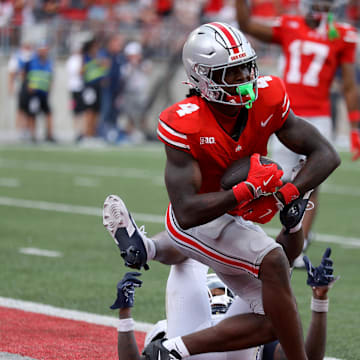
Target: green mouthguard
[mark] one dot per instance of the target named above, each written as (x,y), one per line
(247,89)
(332,33)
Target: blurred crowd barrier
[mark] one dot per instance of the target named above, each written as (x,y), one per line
(158,26)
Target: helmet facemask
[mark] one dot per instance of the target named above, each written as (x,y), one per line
(220,296)
(215,87)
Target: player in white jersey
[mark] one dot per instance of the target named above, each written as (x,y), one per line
(319,279)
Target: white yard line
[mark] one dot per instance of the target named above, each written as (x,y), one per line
(9,182)
(326,238)
(132,173)
(104,171)
(72,209)
(68,314)
(333,189)
(86,182)
(141,217)
(153,149)
(40,252)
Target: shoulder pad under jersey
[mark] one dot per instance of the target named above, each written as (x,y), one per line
(271,90)
(185,116)
(349,33)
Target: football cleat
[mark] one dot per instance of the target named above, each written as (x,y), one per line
(123,229)
(156,351)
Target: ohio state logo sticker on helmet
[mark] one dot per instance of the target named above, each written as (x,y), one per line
(237,57)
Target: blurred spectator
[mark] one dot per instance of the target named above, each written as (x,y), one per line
(163,7)
(75,87)
(45,10)
(74,10)
(354,12)
(38,75)
(94,68)
(16,85)
(98,11)
(6,12)
(134,98)
(112,85)
(211,10)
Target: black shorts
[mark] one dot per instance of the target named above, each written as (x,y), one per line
(36,103)
(91,96)
(22,99)
(77,103)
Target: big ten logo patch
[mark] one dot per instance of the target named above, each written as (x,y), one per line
(207,140)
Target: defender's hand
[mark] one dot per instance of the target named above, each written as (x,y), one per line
(321,276)
(126,290)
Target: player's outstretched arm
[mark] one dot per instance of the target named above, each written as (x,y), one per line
(351,95)
(127,348)
(303,138)
(320,280)
(249,26)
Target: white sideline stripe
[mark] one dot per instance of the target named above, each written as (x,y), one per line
(68,314)
(8,356)
(73,209)
(40,252)
(75,315)
(140,217)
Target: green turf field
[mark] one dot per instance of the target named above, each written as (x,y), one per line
(51,198)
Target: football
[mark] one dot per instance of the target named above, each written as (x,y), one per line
(238,171)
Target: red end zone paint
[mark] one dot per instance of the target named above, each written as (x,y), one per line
(53,338)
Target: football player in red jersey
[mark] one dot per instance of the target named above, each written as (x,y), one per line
(232,116)
(314,47)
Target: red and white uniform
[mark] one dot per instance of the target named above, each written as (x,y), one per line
(311,60)
(226,244)
(191,126)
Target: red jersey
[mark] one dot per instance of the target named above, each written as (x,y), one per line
(311,60)
(191,126)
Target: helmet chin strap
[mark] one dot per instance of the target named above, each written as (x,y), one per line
(247,90)
(333,32)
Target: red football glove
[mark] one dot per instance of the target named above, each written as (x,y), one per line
(355,144)
(263,179)
(261,210)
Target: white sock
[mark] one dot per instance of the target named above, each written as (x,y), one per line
(178,345)
(150,247)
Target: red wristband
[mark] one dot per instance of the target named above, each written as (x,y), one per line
(289,192)
(242,192)
(354,116)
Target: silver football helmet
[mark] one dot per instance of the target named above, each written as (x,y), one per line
(219,303)
(210,53)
